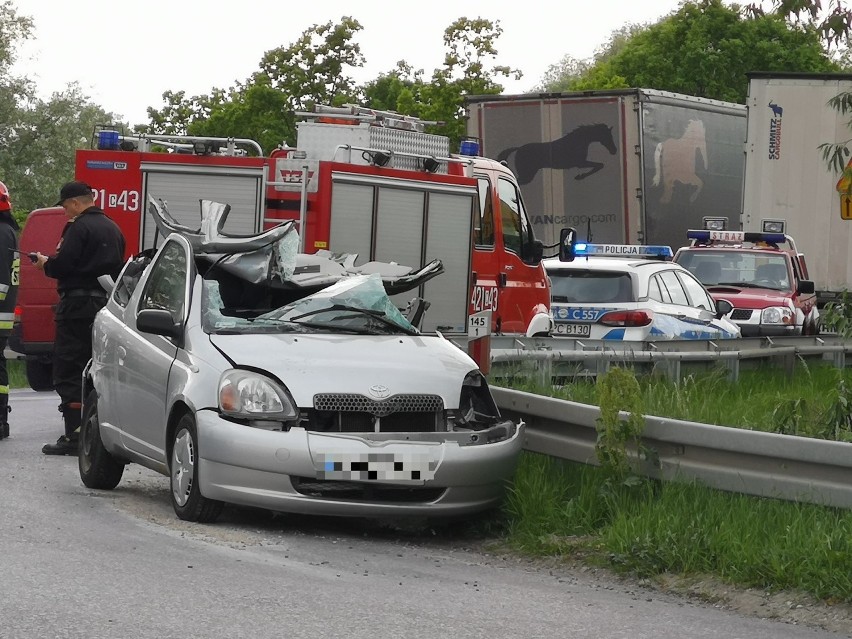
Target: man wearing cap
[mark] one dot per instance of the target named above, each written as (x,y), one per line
(9,264)
(91,245)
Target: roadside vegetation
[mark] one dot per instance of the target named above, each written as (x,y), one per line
(17,373)
(653,529)
(815,401)
(610,516)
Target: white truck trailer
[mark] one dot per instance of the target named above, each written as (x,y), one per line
(787,178)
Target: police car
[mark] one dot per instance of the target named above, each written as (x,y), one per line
(631,293)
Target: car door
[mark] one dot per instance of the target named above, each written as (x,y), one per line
(486,263)
(679,285)
(145,359)
(520,280)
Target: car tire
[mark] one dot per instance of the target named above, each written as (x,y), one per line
(98,468)
(39,374)
(188,502)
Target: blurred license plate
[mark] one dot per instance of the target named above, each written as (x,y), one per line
(375,467)
(575,330)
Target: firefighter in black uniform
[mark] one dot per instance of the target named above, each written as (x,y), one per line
(91,245)
(9,264)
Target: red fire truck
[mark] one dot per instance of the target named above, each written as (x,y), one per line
(358,181)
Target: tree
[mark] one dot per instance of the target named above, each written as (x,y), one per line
(470,48)
(41,150)
(312,70)
(16,90)
(37,137)
(705,49)
(833,27)
(569,71)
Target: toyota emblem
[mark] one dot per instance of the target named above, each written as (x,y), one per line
(379,392)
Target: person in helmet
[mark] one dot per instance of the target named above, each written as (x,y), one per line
(9,265)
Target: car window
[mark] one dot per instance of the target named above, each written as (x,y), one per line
(669,280)
(698,296)
(484,229)
(590,287)
(130,276)
(663,292)
(515,225)
(166,285)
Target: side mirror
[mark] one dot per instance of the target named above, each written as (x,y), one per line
(806,287)
(159,322)
(567,237)
(723,307)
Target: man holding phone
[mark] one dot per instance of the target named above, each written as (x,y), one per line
(9,269)
(91,245)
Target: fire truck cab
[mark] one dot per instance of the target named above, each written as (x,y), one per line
(358,182)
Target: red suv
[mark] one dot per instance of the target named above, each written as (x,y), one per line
(762,275)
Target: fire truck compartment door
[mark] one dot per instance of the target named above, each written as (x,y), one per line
(412,223)
(182,188)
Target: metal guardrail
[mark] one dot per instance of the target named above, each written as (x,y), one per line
(554,356)
(731,459)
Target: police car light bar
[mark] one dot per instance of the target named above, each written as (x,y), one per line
(735,237)
(622,250)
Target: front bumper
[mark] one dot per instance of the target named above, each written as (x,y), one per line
(769,330)
(290,471)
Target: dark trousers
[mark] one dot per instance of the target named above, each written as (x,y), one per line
(4,381)
(72,349)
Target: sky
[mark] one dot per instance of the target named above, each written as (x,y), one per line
(126,53)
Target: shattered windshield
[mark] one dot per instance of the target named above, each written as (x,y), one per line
(357,304)
(262,283)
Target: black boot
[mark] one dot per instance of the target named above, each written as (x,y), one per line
(64,446)
(5,409)
(68,443)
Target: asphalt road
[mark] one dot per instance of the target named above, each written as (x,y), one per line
(81,563)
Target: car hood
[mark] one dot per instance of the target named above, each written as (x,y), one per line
(750,297)
(389,365)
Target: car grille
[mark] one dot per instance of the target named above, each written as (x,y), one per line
(361,491)
(741,314)
(352,413)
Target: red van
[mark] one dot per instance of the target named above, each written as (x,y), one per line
(33,331)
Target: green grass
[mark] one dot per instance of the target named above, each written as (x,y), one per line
(560,508)
(17,373)
(646,527)
(816,401)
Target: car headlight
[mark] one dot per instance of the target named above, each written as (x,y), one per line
(776,315)
(249,395)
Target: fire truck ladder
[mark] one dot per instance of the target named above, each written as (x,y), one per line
(355,113)
(195,144)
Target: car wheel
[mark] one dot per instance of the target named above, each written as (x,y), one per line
(98,468)
(39,374)
(187,500)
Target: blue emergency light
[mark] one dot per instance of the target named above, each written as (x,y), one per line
(469,147)
(623,250)
(108,140)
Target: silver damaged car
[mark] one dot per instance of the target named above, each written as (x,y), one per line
(254,375)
